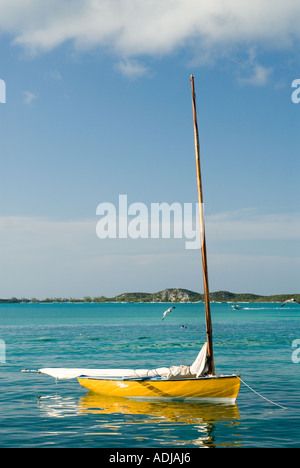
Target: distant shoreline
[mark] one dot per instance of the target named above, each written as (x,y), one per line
(177,295)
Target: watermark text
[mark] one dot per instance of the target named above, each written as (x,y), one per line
(2,352)
(296,93)
(159,221)
(2,92)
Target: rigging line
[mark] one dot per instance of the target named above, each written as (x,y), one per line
(273,403)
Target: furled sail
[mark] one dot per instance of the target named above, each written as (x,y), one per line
(197,369)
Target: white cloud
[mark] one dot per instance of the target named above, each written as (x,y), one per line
(131,68)
(248,225)
(134,27)
(258,274)
(28,97)
(252,72)
(258,77)
(53,75)
(45,257)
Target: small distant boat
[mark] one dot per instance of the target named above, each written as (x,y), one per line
(236,307)
(197,381)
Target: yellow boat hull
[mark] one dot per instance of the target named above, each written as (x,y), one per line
(213,388)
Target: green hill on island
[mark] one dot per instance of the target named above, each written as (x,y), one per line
(167,295)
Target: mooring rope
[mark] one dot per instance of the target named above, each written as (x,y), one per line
(252,389)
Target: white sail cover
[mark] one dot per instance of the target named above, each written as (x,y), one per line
(195,370)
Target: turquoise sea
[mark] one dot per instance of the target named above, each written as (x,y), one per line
(256,342)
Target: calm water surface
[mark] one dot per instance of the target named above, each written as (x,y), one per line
(255,341)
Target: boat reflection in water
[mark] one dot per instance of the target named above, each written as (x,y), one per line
(181,418)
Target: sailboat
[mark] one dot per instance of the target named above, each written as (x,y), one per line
(198,381)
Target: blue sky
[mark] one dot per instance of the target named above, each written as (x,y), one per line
(98,104)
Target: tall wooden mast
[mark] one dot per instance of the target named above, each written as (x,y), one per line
(211,365)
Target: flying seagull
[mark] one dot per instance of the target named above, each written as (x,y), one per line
(290,300)
(168,311)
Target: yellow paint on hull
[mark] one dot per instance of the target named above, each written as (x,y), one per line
(206,388)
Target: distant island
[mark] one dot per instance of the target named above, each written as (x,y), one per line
(167,295)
